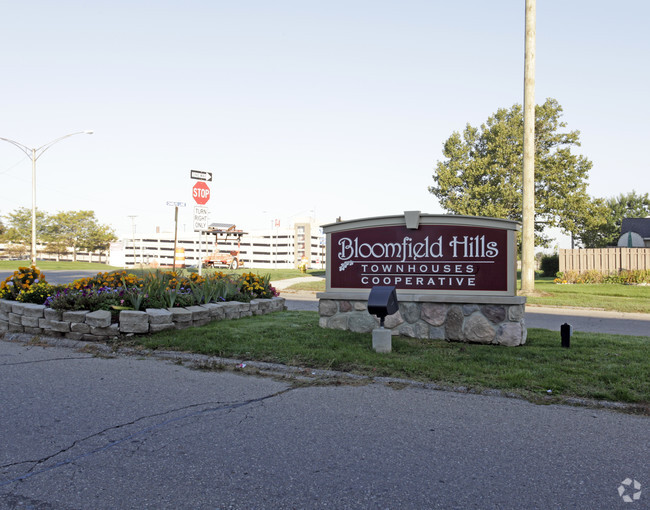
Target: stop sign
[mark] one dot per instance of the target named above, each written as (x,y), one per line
(201,193)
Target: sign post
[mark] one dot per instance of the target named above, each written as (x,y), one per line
(201,195)
(176,205)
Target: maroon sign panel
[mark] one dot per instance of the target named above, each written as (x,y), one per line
(433,257)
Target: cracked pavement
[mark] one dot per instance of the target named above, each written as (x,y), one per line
(86,432)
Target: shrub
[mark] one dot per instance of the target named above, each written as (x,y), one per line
(104,298)
(21,280)
(629,277)
(115,279)
(38,293)
(252,286)
(550,264)
(635,276)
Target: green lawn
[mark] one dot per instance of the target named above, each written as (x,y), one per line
(603,367)
(46,265)
(605,296)
(621,298)
(279,274)
(275,274)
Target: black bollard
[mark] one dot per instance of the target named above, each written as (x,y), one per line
(565,332)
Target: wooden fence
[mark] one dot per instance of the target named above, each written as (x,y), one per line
(605,260)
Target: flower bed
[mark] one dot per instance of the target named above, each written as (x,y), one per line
(110,304)
(121,290)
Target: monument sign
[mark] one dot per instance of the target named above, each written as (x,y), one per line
(448,266)
(443,254)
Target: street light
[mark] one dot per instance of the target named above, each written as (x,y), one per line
(34,154)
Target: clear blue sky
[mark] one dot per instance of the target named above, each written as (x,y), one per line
(300,107)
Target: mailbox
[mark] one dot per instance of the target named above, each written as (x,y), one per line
(382,302)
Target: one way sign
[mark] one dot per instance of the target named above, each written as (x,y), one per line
(200,175)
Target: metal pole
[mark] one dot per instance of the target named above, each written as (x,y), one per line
(33,207)
(175,236)
(34,154)
(528,213)
(200,251)
(133,237)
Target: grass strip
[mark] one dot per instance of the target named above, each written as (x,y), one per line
(597,366)
(603,296)
(50,265)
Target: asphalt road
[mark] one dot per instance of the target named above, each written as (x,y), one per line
(57,277)
(87,432)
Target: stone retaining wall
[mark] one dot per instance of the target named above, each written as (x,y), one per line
(34,319)
(491,322)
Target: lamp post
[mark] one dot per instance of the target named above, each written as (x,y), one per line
(34,154)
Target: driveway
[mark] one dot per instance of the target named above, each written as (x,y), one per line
(57,277)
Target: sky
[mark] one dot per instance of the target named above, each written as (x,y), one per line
(299,108)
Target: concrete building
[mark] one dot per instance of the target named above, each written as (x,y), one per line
(272,248)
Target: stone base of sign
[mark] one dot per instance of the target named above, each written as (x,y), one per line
(478,319)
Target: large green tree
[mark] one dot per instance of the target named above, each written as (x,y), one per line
(19,226)
(79,230)
(614,210)
(99,238)
(482,172)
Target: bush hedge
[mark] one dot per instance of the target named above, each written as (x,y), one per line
(550,265)
(626,277)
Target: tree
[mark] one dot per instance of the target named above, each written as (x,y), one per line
(56,248)
(482,172)
(19,226)
(16,251)
(99,238)
(74,229)
(79,230)
(614,210)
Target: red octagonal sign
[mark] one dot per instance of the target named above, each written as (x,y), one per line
(201,193)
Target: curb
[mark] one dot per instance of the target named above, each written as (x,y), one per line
(305,374)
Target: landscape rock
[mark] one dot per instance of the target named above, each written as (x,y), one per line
(478,329)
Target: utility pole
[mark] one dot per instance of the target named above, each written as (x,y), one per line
(133,217)
(528,213)
(175,236)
